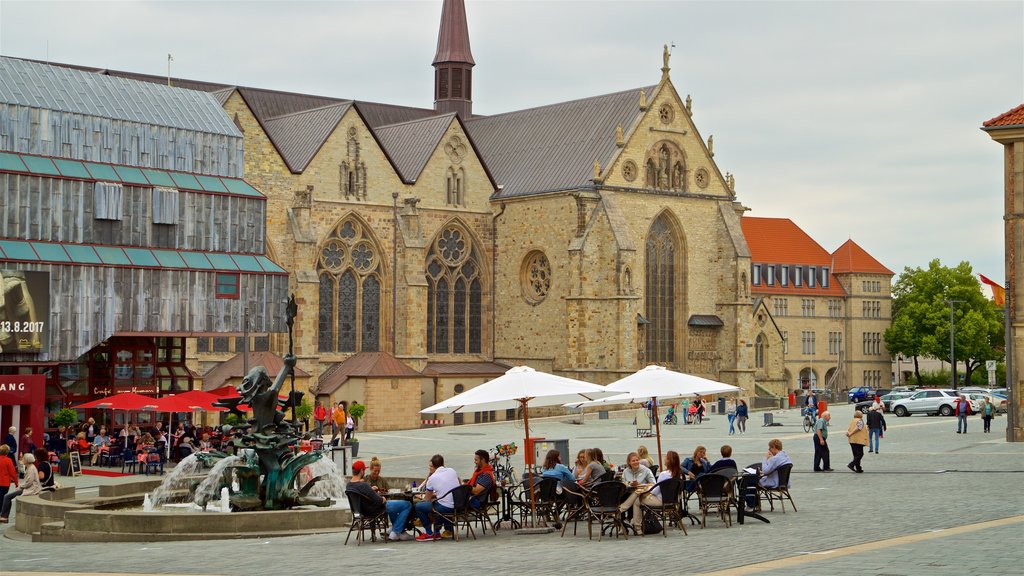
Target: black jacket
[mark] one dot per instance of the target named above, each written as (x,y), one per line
(876,420)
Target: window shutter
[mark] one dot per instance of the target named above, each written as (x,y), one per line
(165,205)
(109,201)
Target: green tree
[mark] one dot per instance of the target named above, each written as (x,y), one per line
(920,324)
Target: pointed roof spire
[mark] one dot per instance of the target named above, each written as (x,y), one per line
(453,39)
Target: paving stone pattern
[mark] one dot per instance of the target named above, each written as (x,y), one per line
(926,478)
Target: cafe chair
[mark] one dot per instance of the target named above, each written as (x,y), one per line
(670,510)
(782,491)
(575,508)
(714,492)
(461,510)
(129,460)
(603,503)
(361,521)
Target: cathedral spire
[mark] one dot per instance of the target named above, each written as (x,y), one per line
(453,62)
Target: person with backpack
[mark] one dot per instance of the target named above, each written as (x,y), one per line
(876,425)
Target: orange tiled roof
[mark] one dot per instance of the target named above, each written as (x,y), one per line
(233,368)
(781,241)
(1013,117)
(364,365)
(850,257)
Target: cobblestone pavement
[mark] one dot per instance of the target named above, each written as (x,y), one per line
(932,502)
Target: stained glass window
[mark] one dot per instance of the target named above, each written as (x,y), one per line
(660,302)
(455,294)
(371,314)
(350,315)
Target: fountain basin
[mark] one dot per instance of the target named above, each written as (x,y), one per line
(59,517)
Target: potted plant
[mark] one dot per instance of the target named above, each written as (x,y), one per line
(356,410)
(65,417)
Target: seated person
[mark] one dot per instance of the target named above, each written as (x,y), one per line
(592,471)
(725,463)
(695,466)
(185,447)
(45,469)
(553,468)
(768,475)
(82,445)
(635,474)
(811,405)
(599,456)
(484,488)
(204,443)
(581,464)
(398,510)
(100,444)
(645,457)
(437,487)
(374,479)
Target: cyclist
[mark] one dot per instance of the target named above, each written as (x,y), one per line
(811,405)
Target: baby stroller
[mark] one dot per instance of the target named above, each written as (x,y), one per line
(670,416)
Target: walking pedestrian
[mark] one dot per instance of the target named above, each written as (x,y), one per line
(987,411)
(320,416)
(876,425)
(731,414)
(857,433)
(962,409)
(741,416)
(820,438)
(338,423)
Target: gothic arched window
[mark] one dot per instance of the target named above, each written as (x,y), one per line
(759,351)
(350,290)
(661,256)
(454,294)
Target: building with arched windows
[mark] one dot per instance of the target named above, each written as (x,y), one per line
(432,248)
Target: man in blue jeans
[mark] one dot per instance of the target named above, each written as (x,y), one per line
(440,482)
(963,410)
(398,510)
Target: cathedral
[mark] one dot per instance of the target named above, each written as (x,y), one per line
(429,249)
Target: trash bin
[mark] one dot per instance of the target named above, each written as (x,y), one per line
(602,414)
(531,450)
(721,404)
(541,448)
(792,399)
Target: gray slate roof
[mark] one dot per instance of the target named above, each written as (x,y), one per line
(37,85)
(410,144)
(553,147)
(299,135)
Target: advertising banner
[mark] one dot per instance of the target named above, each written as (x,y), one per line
(24,311)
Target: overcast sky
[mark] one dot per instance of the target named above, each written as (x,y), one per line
(854,119)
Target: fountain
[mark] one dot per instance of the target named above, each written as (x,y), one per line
(268,486)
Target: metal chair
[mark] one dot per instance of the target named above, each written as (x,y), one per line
(461,510)
(362,521)
(114,453)
(781,491)
(574,499)
(714,493)
(603,503)
(670,509)
(129,459)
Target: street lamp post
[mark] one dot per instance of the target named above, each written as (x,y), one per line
(952,340)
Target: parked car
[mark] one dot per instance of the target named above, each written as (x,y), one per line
(974,390)
(887,400)
(904,389)
(1000,391)
(928,401)
(860,393)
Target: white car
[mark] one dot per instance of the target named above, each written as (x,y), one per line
(928,401)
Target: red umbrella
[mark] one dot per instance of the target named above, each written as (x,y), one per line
(183,403)
(122,401)
(224,392)
(197,399)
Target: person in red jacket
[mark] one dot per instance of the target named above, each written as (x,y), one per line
(320,416)
(8,473)
(962,409)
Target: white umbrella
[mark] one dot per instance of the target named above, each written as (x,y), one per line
(521,387)
(659,383)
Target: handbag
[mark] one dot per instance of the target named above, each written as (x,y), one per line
(649,524)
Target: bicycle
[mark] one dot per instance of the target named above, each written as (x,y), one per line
(809,420)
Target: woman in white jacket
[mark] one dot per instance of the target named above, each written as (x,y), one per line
(30,486)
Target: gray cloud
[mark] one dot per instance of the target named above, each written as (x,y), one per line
(855,119)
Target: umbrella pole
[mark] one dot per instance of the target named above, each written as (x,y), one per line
(529,473)
(657,427)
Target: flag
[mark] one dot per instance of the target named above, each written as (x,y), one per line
(998,292)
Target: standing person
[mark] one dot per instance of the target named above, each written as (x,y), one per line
(11,440)
(440,482)
(876,425)
(962,409)
(741,416)
(350,425)
(338,423)
(986,415)
(857,433)
(27,444)
(320,416)
(8,472)
(30,486)
(730,412)
(820,438)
